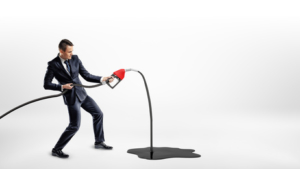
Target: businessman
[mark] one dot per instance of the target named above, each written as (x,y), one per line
(65,68)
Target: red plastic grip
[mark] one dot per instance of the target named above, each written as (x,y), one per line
(120,73)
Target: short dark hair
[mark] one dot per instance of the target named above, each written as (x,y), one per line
(63,44)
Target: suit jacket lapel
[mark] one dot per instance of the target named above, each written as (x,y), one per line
(58,61)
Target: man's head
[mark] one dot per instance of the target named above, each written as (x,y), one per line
(66,49)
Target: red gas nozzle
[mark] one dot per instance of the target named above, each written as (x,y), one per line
(120,73)
(119,76)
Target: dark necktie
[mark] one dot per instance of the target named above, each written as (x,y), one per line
(68,66)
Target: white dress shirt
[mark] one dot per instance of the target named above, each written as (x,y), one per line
(65,66)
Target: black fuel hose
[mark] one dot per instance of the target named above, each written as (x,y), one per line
(51,96)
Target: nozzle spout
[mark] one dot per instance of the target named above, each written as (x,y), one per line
(127,70)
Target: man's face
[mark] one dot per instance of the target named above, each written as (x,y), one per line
(68,53)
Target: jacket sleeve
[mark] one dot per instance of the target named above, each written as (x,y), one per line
(48,85)
(86,75)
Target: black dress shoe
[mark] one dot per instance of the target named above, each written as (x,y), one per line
(102,145)
(59,153)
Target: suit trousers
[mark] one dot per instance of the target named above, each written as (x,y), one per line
(89,105)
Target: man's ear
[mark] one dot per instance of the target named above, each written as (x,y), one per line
(61,51)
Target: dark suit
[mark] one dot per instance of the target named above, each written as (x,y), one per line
(75,98)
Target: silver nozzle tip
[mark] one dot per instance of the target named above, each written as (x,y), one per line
(126,70)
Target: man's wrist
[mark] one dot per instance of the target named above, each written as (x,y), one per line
(102,82)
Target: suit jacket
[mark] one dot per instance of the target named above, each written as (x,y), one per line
(56,70)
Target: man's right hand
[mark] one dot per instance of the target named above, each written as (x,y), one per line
(67,86)
(111,79)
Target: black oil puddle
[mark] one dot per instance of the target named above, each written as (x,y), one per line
(163,153)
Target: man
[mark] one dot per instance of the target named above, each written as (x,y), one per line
(65,68)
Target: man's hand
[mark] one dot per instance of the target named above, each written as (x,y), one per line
(68,86)
(110,80)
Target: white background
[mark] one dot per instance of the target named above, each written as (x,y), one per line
(223,79)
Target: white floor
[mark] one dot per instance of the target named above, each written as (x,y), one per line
(224,140)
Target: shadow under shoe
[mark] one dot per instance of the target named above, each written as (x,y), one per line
(59,153)
(103,146)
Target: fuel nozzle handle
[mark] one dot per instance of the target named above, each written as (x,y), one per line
(119,76)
